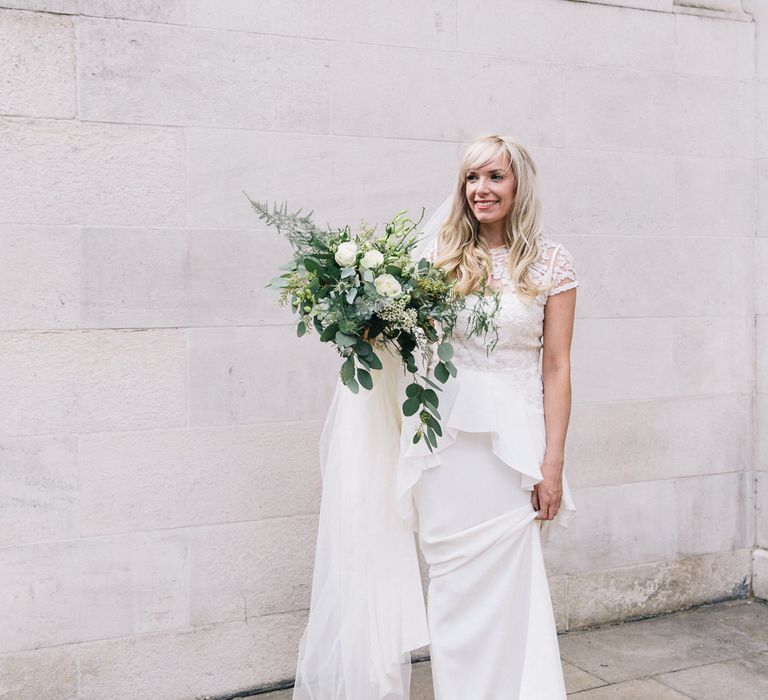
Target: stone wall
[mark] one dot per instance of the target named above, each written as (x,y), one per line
(159,483)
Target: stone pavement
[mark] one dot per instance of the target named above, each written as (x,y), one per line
(714,652)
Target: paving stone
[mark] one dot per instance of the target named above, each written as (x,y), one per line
(647,689)
(671,643)
(576,679)
(746,679)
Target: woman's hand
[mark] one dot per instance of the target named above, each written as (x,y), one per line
(548,493)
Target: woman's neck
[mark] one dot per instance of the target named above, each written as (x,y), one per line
(493,234)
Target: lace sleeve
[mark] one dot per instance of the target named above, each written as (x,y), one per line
(563,272)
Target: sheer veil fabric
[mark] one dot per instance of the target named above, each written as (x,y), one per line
(367,609)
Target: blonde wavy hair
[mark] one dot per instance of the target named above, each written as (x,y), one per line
(461,250)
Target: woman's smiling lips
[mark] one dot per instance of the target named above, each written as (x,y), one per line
(486,203)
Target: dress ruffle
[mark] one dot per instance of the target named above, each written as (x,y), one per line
(500,403)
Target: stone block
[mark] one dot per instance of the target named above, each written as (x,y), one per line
(204,476)
(641,689)
(139,278)
(745,678)
(340,179)
(206,77)
(714,198)
(529,102)
(627,441)
(37,55)
(257,375)
(169,11)
(311,18)
(241,571)
(209,660)
(761,351)
(681,114)
(762,197)
(42,673)
(616,271)
(761,89)
(761,277)
(605,192)
(567,33)
(709,46)
(558,590)
(761,508)
(761,422)
(616,526)
(640,590)
(40,279)
(714,513)
(85,381)
(760,573)
(100,173)
(71,591)
(38,489)
(644,358)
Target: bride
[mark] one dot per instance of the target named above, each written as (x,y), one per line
(482,502)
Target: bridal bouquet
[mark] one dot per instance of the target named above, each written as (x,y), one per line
(363,292)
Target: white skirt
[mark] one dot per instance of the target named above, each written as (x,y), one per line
(489,610)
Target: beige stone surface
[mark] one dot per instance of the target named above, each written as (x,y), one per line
(171,11)
(37,55)
(654,646)
(208,78)
(340,179)
(598,597)
(202,476)
(67,592)
(647,358)
(38,499)
(135,277)
(67,172)
(42,673)
(617,442)
(745,678)
(197,662)
(88,381)
(40,281)
(532,103)
(244,375)
(243,571)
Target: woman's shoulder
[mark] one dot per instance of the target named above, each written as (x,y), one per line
(555,259)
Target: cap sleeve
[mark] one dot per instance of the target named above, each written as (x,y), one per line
(563,272)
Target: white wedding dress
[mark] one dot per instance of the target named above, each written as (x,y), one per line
(488,619)
(490,616)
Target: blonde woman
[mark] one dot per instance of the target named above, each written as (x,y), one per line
(479,504)
(496,484)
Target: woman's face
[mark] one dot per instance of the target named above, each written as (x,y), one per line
(490,190)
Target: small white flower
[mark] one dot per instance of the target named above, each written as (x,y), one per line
(346,253)
(373,258)
(387,285)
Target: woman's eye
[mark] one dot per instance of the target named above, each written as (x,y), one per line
(471,177)
(497,177)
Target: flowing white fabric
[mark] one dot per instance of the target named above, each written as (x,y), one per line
(490,615)
(367,607)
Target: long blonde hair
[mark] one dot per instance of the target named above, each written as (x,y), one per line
(462,251)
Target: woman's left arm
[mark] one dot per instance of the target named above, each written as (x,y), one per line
(556,374)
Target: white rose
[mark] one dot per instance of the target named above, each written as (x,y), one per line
(373,258)
(346,253)
(387,285)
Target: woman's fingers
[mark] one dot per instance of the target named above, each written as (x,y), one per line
(546,503)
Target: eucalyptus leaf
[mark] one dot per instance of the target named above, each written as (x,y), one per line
(301,328)
(445,352)
(365,379)
(413,390)
(345,341)
(348,369)
(329,333)
(441,372)
(410,406)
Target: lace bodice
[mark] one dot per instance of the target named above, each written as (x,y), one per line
(520,319)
